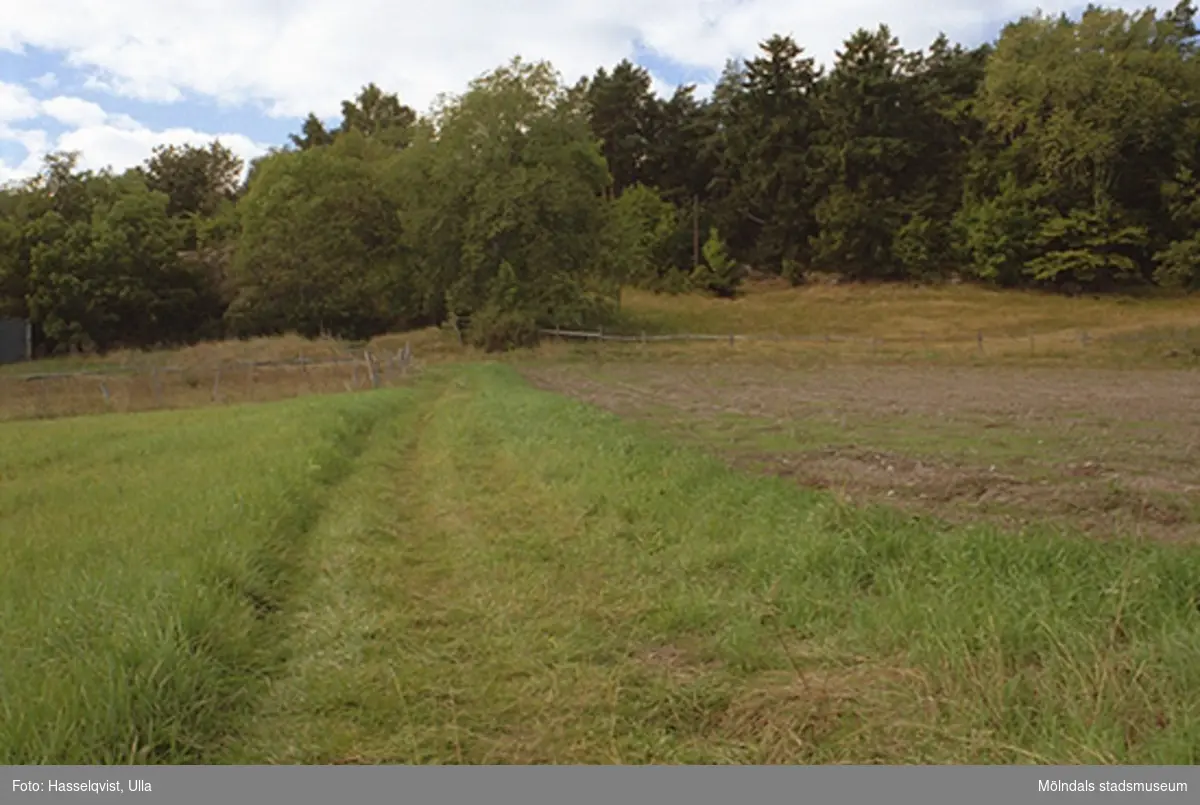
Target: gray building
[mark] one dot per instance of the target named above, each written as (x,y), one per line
(15,345)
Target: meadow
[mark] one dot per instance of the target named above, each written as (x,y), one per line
(619,554)
(146,563)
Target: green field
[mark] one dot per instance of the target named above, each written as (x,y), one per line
(473,571)
(147,563)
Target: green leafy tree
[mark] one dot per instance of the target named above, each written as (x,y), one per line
(779,114)
(195,180)
(719,274)
(313,134)
(645,226)
(512,177)
(997,231)
(621,107)
(944,82)
(374,113)
(1178,264)
(870,153)
(678,163)
(103,267)
(320,246)
(1095,111)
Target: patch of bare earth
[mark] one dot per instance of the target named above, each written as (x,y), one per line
(1105,451)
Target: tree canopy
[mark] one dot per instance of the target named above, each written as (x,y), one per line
(1063,156)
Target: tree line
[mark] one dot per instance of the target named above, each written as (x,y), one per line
(1063,156)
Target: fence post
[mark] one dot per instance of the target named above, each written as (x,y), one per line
(104,393)
(731,339)
(216,389)
(372,375)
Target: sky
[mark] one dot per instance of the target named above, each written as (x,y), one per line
(113,78)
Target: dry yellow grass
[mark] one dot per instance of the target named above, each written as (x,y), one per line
(1148,349)
(429,341)
(227,372)
(946,313)
(890,323)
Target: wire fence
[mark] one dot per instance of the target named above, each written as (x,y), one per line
(123,387)
(1180,336)
(978,339)
(126,388)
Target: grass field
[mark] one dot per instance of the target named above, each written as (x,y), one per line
(1107,452)
(147,559)
(946,313)
(952,324)
(885,321)
(472,570)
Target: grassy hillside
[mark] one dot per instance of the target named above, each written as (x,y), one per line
(864,321)
(939,313)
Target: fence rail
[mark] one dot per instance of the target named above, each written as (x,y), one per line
(120,370)
(978,337)
(150,386)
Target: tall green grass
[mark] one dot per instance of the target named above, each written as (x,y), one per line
(520,578)
(474,571)
(144,564)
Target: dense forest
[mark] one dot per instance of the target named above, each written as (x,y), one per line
(1064,156)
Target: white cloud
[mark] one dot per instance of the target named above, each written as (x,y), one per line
(141,87)
(660,86)
(16,103)
(103,140)
(74,111)
(294,57)
(34,141)
(46,81)
(120,146)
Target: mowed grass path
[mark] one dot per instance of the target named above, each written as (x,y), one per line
(503,575)
(512,577)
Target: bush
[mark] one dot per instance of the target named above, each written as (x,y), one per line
(494,329)
(718,274)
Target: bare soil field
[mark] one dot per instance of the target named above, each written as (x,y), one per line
(1106,452)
